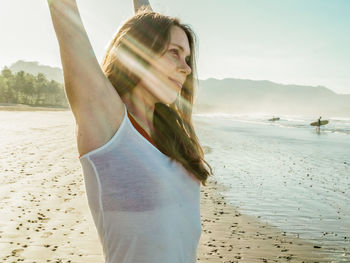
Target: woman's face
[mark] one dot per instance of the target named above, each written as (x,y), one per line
(168,72)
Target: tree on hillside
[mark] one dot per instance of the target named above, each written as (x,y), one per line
(41,84)
(25,88)
(6,93)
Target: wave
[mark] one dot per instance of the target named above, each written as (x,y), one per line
(335,125)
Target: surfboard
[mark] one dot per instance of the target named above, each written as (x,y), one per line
(274,119)
(316,123)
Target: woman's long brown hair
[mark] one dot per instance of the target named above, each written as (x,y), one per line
(145,35)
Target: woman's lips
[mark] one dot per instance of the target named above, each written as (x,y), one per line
(176,82)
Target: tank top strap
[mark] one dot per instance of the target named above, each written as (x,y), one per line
(141,130)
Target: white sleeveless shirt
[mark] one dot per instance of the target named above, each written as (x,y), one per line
(146,208)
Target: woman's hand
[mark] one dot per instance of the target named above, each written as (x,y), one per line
(50,2)
(141,3)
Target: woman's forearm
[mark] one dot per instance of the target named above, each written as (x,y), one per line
(140,3)
(68,26)
(79,63)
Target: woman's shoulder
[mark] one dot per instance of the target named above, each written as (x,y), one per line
(97,127)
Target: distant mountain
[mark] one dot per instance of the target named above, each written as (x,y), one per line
(33,67)
(242,96)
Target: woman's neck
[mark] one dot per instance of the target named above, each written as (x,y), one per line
(140,105)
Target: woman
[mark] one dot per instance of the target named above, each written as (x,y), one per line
(141,159)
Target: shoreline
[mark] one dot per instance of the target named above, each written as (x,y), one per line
(229,236)
(23,107)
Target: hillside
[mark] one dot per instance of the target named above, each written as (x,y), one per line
(34,68)
(240,96)
(250,96)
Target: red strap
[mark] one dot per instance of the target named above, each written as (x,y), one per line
(140,130)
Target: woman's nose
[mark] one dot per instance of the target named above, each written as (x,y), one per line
(185,68)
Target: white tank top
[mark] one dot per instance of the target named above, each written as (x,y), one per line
(145,206)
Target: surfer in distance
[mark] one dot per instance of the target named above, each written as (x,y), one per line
(318,127)
(319,123)
(274,118)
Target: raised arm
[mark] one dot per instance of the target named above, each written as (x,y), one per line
(85,83)
(142,3)
(97,107)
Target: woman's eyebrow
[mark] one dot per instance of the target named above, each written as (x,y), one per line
(180,47)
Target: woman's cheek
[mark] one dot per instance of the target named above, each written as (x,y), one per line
(168,66)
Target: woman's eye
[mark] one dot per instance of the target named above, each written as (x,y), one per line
(174,51)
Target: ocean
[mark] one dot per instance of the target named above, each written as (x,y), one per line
(285,173)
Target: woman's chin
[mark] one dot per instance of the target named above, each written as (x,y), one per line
(169,100)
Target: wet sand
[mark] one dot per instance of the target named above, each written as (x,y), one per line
(45,215)
(229,236)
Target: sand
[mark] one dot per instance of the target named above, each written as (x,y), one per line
(45,215)
(229,236)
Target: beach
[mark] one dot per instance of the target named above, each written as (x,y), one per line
(46,218)
(285,174)
(23,107)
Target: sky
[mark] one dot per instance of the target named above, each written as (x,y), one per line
(284,41)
